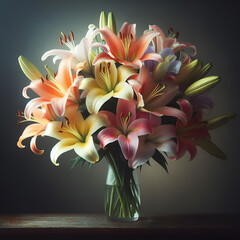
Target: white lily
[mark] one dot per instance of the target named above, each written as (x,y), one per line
(82,54)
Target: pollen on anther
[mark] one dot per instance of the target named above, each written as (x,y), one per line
(42,79)
(69,39)
(60,40)
(108,65)
(65,38)
(60,131)
(67,120)
(120,34)
(177,34)
(46,77)
(72,35)
(171,29)
(100,67)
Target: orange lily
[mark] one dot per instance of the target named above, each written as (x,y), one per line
(125,48)
(59,91)
(41,117)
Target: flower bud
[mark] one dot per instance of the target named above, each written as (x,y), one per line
(211,148)
(29,69)
(201,86)
(218,121)
(102,20)
(187,71)
(112,23)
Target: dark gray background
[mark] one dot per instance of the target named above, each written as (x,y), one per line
(32,184)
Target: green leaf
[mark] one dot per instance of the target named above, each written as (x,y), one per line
(217,122)
(29,69)
(211,148)
(76,161)
(101,153)
(160,159)
(201,86)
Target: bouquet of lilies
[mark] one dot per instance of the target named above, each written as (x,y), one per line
(117,96)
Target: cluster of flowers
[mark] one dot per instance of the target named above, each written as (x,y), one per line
(145,93)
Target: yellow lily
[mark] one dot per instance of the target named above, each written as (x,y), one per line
(109,82)
(75,133)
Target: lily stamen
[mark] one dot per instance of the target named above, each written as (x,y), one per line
(60,40)
(71,32)
(67,120)
(124,121)
(104,70)
(157,91)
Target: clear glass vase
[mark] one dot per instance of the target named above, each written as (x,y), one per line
(122,192)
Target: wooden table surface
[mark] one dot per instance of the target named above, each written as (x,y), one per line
(80,226)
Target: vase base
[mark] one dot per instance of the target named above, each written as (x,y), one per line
(113,219)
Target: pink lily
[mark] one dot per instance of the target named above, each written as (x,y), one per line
(59,91)
(125,128)
(160,139)
(189,133)
(161,42)
(125,48)
(41,116)
(153,96)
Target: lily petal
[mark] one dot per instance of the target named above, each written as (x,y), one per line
(170,111)
(170,147)
(124,91)
(64,76)
(163,133)
(141,126)
(108,135)
(87,150)
(128,29)
(46,89)
(139,47)
(102,57)
(152,56)
(57,52)
(29,131)
(94,122)
(124,72)
(61,147)
(144,153)
(32,105)
(128,145)
(96,98)
(34,147)
(125,107)
(110,116)
(186,107)
(56,130)
(113,42)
